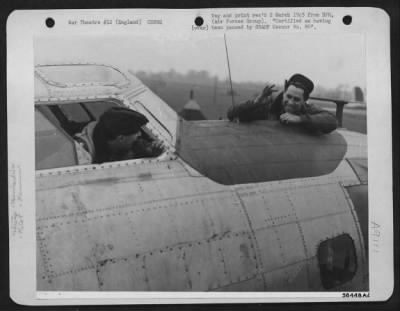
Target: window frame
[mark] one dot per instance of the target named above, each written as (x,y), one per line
(54,122)
(91,167)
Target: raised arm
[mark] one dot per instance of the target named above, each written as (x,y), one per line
(256,109)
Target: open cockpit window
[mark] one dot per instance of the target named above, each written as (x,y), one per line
(73,117)
(59,126)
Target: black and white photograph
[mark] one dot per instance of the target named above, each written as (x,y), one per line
(218,159)
(231,163)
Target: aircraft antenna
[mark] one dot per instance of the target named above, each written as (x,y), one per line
(229,69)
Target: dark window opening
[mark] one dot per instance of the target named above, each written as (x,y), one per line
(337,261)
(73,117)
(57,148)
(96,109)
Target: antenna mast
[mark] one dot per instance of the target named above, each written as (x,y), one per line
(229,69)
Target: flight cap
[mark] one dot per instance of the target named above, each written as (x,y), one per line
(122,121)
(302,82)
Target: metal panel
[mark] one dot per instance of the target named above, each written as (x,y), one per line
(293,277)
(231,153)
(318,200)
(66,245)
(280,246)
(206,267)
(316,230)
(360,167)
(166,270)
(356,144)
(85,280)
(109,225)
(270,209)
(122,274)
(315,283)
(292,218)
(252,285)
(221,261)
(239,257)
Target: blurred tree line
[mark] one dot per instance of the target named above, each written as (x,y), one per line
(214,96)
(202,78)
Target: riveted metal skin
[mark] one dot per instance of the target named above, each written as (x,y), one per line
(162,225)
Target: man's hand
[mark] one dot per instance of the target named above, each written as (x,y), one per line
(267,92)
(156,147)
(289,118)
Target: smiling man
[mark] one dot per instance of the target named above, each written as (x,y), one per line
(290,107)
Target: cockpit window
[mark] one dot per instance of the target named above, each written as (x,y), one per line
(75,113)
(96,109)
(337,261)
(54,148)
(59,129)
(73,117)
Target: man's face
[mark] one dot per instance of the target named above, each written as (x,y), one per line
(293,99)
(123,143)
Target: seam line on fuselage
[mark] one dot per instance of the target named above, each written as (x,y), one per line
(130,204)
(358,226)
(253,236)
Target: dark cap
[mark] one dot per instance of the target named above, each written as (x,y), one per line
(121,121)
(302,82)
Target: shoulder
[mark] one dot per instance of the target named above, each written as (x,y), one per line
(86,137)
(277,97)
(276,107)
(312,108)
(90,127)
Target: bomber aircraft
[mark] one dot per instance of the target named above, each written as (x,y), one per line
(226,207)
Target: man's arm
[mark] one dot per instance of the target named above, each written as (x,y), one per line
(247,111)
(318,119)
(256,109)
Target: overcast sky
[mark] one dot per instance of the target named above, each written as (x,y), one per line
(329,60)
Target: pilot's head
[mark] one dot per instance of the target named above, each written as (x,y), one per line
(116,131)
(297,91)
